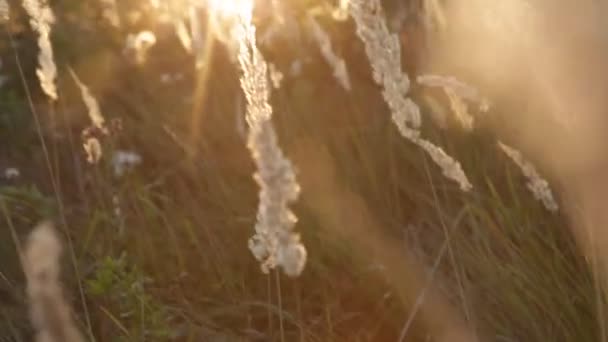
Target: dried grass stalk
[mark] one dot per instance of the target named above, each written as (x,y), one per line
(384,52)
(536,184)
(50,313)
(91,144)
(274,243)
(4,11)
(335,62)
(41,19)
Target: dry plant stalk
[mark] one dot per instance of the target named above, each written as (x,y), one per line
(457,92)
(460,109)
(335,62)
(181,30)
(197,38)
(91,145)
(4,11)
(536,184)
(384,52)
(91,103)
(274,243)
(41,19)
(49,311)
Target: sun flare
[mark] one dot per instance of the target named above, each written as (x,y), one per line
(228,9)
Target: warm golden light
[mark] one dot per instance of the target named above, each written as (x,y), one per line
(230,8)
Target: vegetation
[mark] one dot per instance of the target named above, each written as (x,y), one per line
(155,224)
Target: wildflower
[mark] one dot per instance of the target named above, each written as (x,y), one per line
(274,243)
(123,161)
(41,19)
(11,173)
(49,311)
(536,184)
(384,52)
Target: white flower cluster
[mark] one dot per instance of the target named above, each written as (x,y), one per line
(41,19)
(274,243)
(337,64)
(536,184)
(384,52)
(124,161)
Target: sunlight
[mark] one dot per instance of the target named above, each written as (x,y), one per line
(229,9)
(223,15)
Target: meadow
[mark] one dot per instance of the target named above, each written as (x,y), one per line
(403,170)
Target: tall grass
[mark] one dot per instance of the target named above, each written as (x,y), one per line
(50,313)
(41,19)
(274,243)
(383,50)
(394,251)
